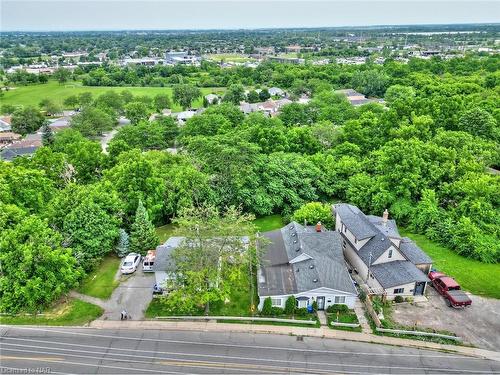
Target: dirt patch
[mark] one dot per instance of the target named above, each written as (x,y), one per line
(478,325)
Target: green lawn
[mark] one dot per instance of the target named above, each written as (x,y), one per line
(101,282)
(343,317)
(165,231)
(33,94)
(267,223)
(474,276)
(234,57)
(71,312)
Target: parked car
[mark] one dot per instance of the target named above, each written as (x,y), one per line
(130,263)
(149,261)
(450,290)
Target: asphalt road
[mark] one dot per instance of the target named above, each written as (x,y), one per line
(90,351)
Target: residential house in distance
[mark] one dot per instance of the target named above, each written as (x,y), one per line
(5,123)
(286,60)
(389,264)
(7,138)
(212,98)
(356,98)
(276,91)
(24,147)
(270,107)
(181,57)
(306,262)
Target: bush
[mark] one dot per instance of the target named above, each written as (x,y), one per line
(409,299)
(276,311)
(362,296)
(267,307)
(377,304)
(290,304)
(335,308)
(315,306)
(301,312)
(399,299)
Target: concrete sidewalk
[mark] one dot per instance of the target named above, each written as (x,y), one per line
(323,332)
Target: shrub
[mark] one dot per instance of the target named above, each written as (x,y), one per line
(335,308)
(377,304)
(399,299)
(362,296)
(409,299)
(267,307)
(301,312)
(315,306)
(290,305)
(276,311)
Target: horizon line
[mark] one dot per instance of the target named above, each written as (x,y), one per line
(255,28)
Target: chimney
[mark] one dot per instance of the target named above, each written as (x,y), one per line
(318,226)
(385,217)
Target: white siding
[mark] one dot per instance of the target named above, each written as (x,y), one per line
(355,261)
(160,277)
(384,258)
(408,291)
(329,295)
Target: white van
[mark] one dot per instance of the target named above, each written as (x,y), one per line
(149,261)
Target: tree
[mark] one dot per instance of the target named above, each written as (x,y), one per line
(267,307)
(47,135)
(84,99)
(161,102)
(290,305)
(50,107)
(143,235)
(27,120)
(72,101)
(123,244)
(35,269)
(211,256)
(92,121)
(234,94)
(264,94)
(253,97)
(136,112)
(314,212)
(370,82)
(185,94)
(481,123)
(62,75)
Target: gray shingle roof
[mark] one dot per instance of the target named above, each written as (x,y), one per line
(355,220)
(325,268)
(163,261)
(413,253)
(397,273)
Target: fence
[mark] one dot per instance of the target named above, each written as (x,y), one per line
(338,324)
(238,318)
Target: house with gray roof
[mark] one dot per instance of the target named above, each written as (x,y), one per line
(305,262)
(389,264)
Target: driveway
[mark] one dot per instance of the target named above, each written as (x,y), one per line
(478,324)
(133,294)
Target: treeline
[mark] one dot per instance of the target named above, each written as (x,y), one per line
(423,157)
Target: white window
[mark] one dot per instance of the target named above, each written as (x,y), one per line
(399,290)
(276,302)
(340,299)
(390,253)
(302,303)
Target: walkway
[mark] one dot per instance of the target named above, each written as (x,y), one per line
(360,314)
(322,318)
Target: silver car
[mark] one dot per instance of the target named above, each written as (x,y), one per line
(130,263)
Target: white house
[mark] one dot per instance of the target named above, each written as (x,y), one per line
(306,262)
(389,264)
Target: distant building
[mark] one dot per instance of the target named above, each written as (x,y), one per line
(5,123)
(356,98)
(212,98)
(181,57)
(286,60)
(25,147)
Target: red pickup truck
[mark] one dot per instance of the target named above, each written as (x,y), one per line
(449,289)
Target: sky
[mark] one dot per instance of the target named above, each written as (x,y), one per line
(59,15)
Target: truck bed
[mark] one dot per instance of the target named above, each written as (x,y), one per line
(459,297)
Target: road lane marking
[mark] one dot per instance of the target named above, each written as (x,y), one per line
(420,355)
(448,370)
(52,359)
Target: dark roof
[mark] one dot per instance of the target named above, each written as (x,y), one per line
(321,265)
(413,253)
(11,153)
(397,273)
(390,229)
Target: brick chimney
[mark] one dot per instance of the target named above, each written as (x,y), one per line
(318,226)
(385,216)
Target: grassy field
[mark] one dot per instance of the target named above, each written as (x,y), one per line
(235,57)
(165,231)
(267,223)
(343,317)
(33,94)
(71,312)
(101,282)
(474,276)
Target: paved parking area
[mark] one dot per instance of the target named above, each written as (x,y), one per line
(134,294)
(478,324)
